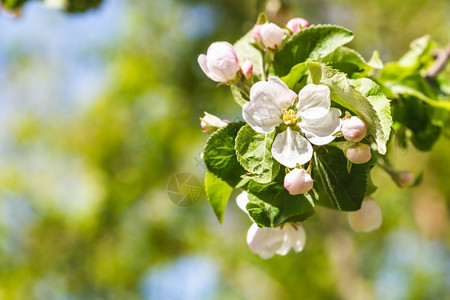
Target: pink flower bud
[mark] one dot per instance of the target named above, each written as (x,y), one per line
(271,35)
(368,218)
(405,179)
(297,24)
(211,122)
(247,69)
(298,181)
(256,33)
(359,153)
(353,129)
(220,63)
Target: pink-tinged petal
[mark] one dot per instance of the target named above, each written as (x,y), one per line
(313,101)
(281,92)
(320,131)
(368,218)
(290,148)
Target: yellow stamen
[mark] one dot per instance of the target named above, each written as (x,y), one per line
(289,116)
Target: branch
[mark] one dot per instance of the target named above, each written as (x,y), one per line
(442,58)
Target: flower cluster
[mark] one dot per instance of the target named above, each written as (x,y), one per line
(302,132)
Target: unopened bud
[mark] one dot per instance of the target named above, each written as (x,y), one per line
(297,24)
(270,35)
(353,129)
(247,69)
(298,181)
(211,122)
(404,179)
(256,33)
(359,153)
(220,63)
(368,218)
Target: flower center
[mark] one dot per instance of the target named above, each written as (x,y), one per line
(289,116)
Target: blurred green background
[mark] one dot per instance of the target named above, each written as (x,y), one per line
(99,110)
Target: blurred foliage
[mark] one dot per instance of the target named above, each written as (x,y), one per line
(84,212)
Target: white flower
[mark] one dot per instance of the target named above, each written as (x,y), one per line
(368,218)
(297,24)
(56,4)
(353,129)
(266,242)
(272,103)
(298,181)
(220,63)
(269,34)
(359,153)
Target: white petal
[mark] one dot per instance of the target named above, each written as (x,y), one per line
(242,200)
(267,100)
(264,241)
(290,148)
(282,92)
(320,131)
(296,237)
(313,101)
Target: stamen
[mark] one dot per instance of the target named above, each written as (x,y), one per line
(289,116)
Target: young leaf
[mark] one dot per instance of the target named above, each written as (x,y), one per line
(271,205)
(336,187)
(310,43)
(347,60)
(219,154)
(374,110)
(254,153)
(217,192)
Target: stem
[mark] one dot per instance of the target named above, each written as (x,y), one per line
(442,58)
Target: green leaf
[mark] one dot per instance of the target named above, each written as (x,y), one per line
(218,192)
(380,103)
(310,43)
(271,205)
(348,61)
(373,110)
(219,154)
(295,75)
(254,153)
(336,187)
(417,116)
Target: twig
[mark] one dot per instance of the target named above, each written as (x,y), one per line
(442,58)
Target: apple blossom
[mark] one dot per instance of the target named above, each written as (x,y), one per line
(266,242)
(298,181)
(359,153)
(271,104)
(368,218)
(220,62)
(353,129)
(297,24)
(247,69)
(269,34)
(210,122)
